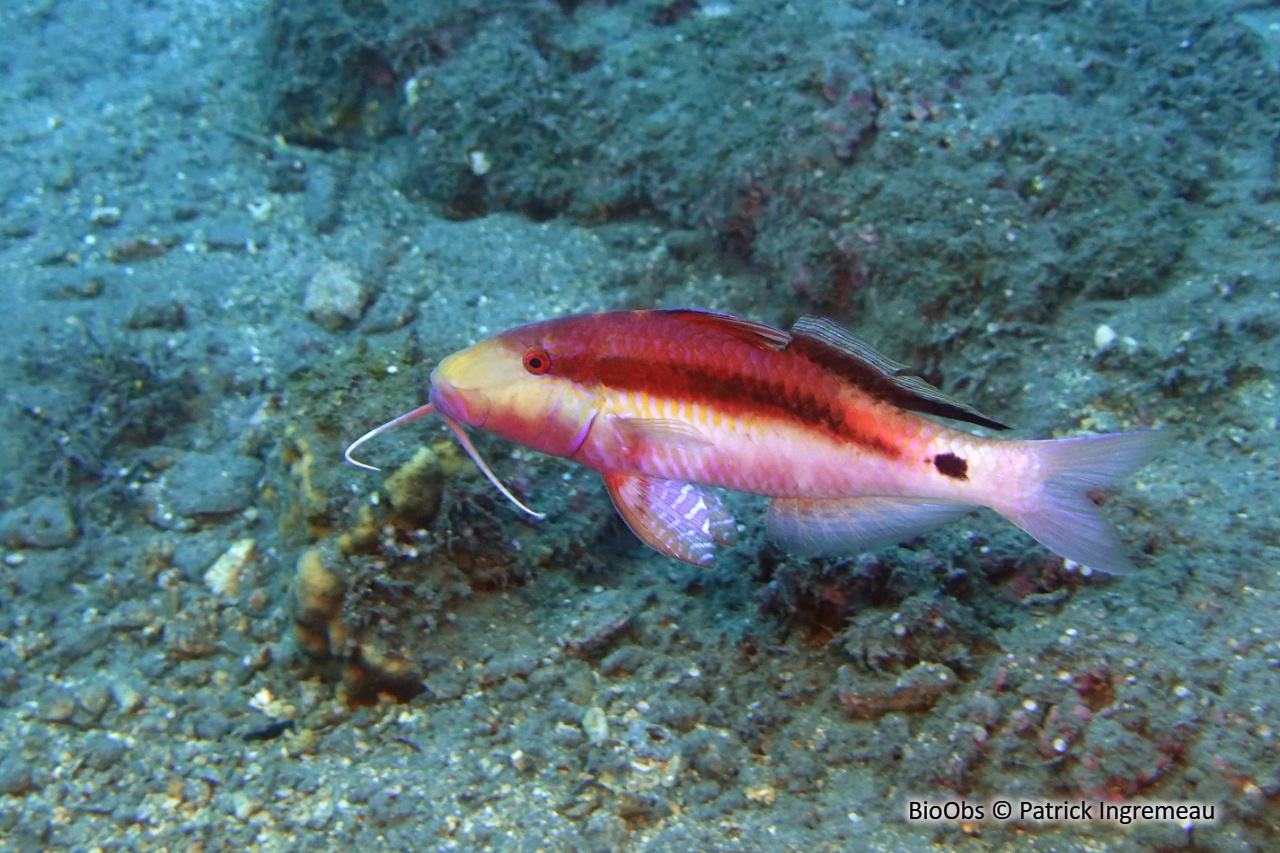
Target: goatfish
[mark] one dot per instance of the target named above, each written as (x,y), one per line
(845,442)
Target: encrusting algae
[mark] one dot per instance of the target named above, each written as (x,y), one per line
(365,670)
(415,489)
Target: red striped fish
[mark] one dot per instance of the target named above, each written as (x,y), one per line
(844,440)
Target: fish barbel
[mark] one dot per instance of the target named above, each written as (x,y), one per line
(843,440)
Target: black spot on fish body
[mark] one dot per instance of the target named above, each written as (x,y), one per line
(950,465)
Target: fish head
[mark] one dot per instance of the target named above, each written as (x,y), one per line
(507,385)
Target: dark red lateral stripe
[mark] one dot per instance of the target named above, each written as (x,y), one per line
(730,385)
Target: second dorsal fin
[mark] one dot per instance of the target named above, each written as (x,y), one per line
(747,331)
(829,346)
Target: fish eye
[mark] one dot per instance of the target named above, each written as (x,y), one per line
(537,362)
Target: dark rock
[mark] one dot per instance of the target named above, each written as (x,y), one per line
(648,740)
(83,641)
(101,751)
(925,627)
(15,776)
(579,682)
(154,666)
(229,235)
(93,699)
(210,726)
(188,639)
(641,808)
(714,753)
(702,791)
(45,522)
(795,769)
(56,705)
(322,202)
(505,668)
(212,484)
(287,175)
(169,315)
(604,831)
(511,691)
(131,616)
(608,618)
(444,685)
(871,697)
(568,737)
(195,554)
(388,314)
(624,660)
(678,713)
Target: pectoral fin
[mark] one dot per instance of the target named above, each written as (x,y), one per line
(853,525)
(681,520)
(639,434)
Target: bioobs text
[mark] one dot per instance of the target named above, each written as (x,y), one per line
(945,811)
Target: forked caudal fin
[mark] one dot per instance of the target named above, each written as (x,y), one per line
(458,433)
(1061,517)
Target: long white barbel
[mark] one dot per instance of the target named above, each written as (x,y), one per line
(458,433)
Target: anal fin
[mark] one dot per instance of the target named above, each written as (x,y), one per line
(681,520)
(842,526)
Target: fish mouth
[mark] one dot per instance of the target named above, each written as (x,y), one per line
(449,402)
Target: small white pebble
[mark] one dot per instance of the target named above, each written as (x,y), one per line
(478,162)
(1029,704)
(1103,337)
(259,209)
(224,576)
(105,215)
(595,724)
(1059,745)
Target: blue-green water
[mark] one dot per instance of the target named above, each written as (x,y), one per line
(236,236)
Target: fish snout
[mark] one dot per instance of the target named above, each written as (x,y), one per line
(470,409)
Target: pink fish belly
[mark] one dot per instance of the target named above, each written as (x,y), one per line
(787,460)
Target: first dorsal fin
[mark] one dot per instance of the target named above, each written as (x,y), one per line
(829,346)
(747,331)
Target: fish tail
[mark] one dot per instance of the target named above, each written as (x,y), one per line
(1061,516)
